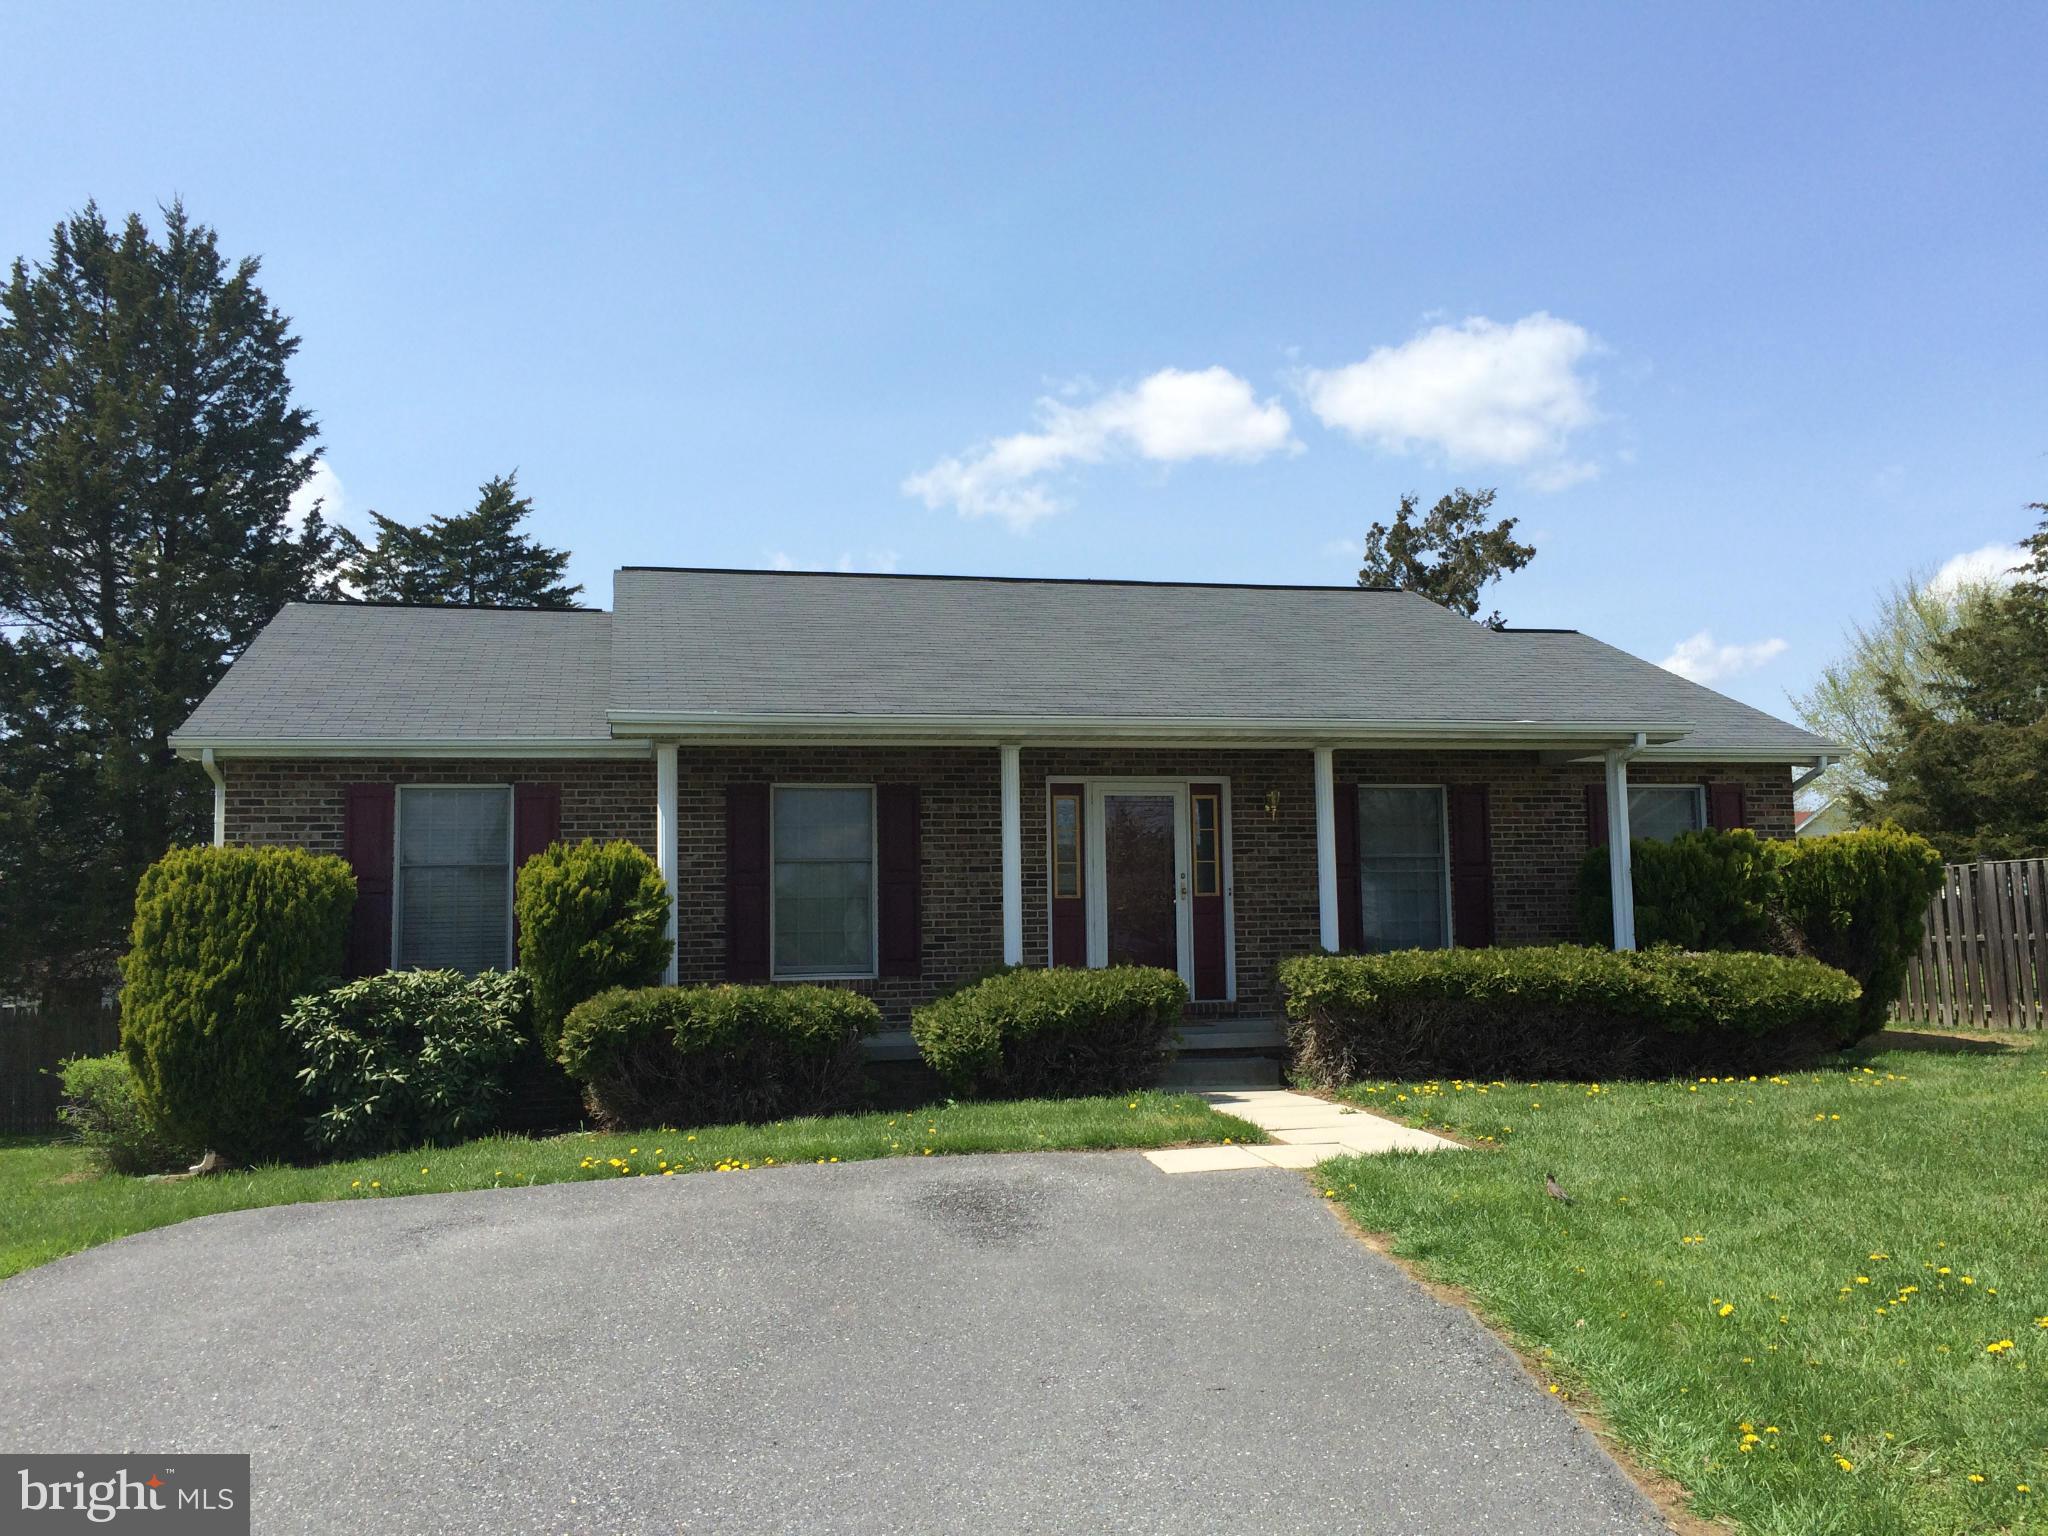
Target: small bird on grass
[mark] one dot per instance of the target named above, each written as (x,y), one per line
(1555,1190)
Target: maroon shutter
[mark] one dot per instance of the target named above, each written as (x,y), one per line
(1068,916)
(899,870)
(1471,866)
(536,823)
(1596,815)
(1350,914)
(1724,807)
(746,882)
(369,833)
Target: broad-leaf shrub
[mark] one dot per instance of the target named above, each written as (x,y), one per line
(1559,1011)
(1701,890)
(104,1108)
(224,939)
(1858,900)
(1039,1033)
(704,1055)
(407,1058)
(592,916)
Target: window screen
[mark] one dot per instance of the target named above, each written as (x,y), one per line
(1401,867)
(1660,812)
(824,882)
(454,892)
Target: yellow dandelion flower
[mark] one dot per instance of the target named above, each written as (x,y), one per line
(1727,1308)
(1976,1477)
(1845,1464)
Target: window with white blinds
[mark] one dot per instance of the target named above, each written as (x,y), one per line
(1403,869)
(824,890)
(1659,812)
(454,890)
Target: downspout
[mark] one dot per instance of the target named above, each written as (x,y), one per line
(1820,766)
(220,797)
(1620,871)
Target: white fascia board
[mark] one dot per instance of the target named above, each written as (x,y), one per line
(474,746)
(1064,729)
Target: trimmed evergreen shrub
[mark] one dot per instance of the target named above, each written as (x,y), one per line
(1701,890)
(103,1107)
(1559,1011)
(592,916)
(1858,900)
(1045,1033)
(224,939)
(705,1055)
(407,1058)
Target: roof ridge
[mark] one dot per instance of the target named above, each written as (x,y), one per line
(351,602)
(1061,581)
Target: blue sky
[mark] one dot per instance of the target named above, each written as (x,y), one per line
(1742,308)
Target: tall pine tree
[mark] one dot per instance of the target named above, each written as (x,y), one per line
(149,451)
(478,557)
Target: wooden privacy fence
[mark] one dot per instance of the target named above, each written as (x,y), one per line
(1983,961)
(31,1045)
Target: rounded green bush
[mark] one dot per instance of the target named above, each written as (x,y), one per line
(104,1108)
(591,916)
(1033,1033)
(705,1055)
(1559,1011)
(407,1058)
(1701,890)
(224,939)
(1858,900)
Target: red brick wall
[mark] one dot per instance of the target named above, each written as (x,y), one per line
(1539,832)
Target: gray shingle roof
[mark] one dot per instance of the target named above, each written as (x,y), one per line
(353,674)
(702,644)
(765,650)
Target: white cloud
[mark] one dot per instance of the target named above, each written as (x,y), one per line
(1994,565)
(324,487)
(1698,657)
(874,562)
(1168,418)
(1478,391)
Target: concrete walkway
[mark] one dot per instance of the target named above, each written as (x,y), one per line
(1305,1130)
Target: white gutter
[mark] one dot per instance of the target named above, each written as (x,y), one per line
(220,797)
(413,746)
(1279,731)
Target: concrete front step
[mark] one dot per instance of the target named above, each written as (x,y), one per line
(1202,1070)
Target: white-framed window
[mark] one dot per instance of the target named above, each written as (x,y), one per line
(822,904)
(451,906)
(1659,812)
(1404,867)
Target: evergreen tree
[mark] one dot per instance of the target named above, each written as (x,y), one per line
(478,557)
(1962,762)
(1450,557)
(149,450)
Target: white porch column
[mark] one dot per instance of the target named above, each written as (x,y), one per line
(1013,856)
(1326,846)
(1621,882)
(220,797)
(667,849)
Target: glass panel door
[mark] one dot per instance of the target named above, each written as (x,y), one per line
(1139,869)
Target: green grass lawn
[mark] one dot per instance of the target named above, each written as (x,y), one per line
(53,1203)
(1819,1301)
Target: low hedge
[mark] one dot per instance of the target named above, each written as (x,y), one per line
(705,1055)
(1048,1033)
(104,1108)
(407,1058)
(1560,1011)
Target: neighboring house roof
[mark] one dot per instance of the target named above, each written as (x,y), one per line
(358,675)
(714,652)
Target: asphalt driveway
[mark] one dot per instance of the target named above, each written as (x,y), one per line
(1059,1343)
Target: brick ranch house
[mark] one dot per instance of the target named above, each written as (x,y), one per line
(897,783)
